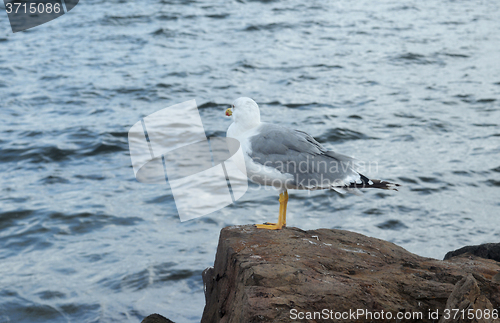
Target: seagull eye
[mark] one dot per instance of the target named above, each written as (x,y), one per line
(233,106)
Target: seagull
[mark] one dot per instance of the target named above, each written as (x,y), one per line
(291,159)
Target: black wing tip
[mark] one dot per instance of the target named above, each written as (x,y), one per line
(376,183)
(386,185)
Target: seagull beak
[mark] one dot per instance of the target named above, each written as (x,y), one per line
(229,112)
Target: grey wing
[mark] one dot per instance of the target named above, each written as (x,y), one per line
(299,154)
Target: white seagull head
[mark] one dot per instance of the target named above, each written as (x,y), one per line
(245,113)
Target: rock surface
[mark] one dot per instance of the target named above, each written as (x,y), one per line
(467,296)
(276,276)
(156,318)
(487,251)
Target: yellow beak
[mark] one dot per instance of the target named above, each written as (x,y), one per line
(229,112)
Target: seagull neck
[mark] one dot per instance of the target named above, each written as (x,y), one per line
(239,128)
(247,125)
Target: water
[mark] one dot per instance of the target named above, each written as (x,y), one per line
(412,87)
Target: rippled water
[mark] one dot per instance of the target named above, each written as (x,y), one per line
(411,87)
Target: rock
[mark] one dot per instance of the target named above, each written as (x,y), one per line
(156,318)
(278,276)
(487,251)
(467,296)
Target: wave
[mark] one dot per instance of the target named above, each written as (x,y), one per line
(125,20)
(86,143)
(269,27)
(342,134)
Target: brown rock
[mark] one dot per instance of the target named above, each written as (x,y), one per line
(276,276)
(468,304)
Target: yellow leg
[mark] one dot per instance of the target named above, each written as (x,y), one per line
(284,208)
(282,216)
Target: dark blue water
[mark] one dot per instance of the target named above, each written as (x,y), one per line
(412,88)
